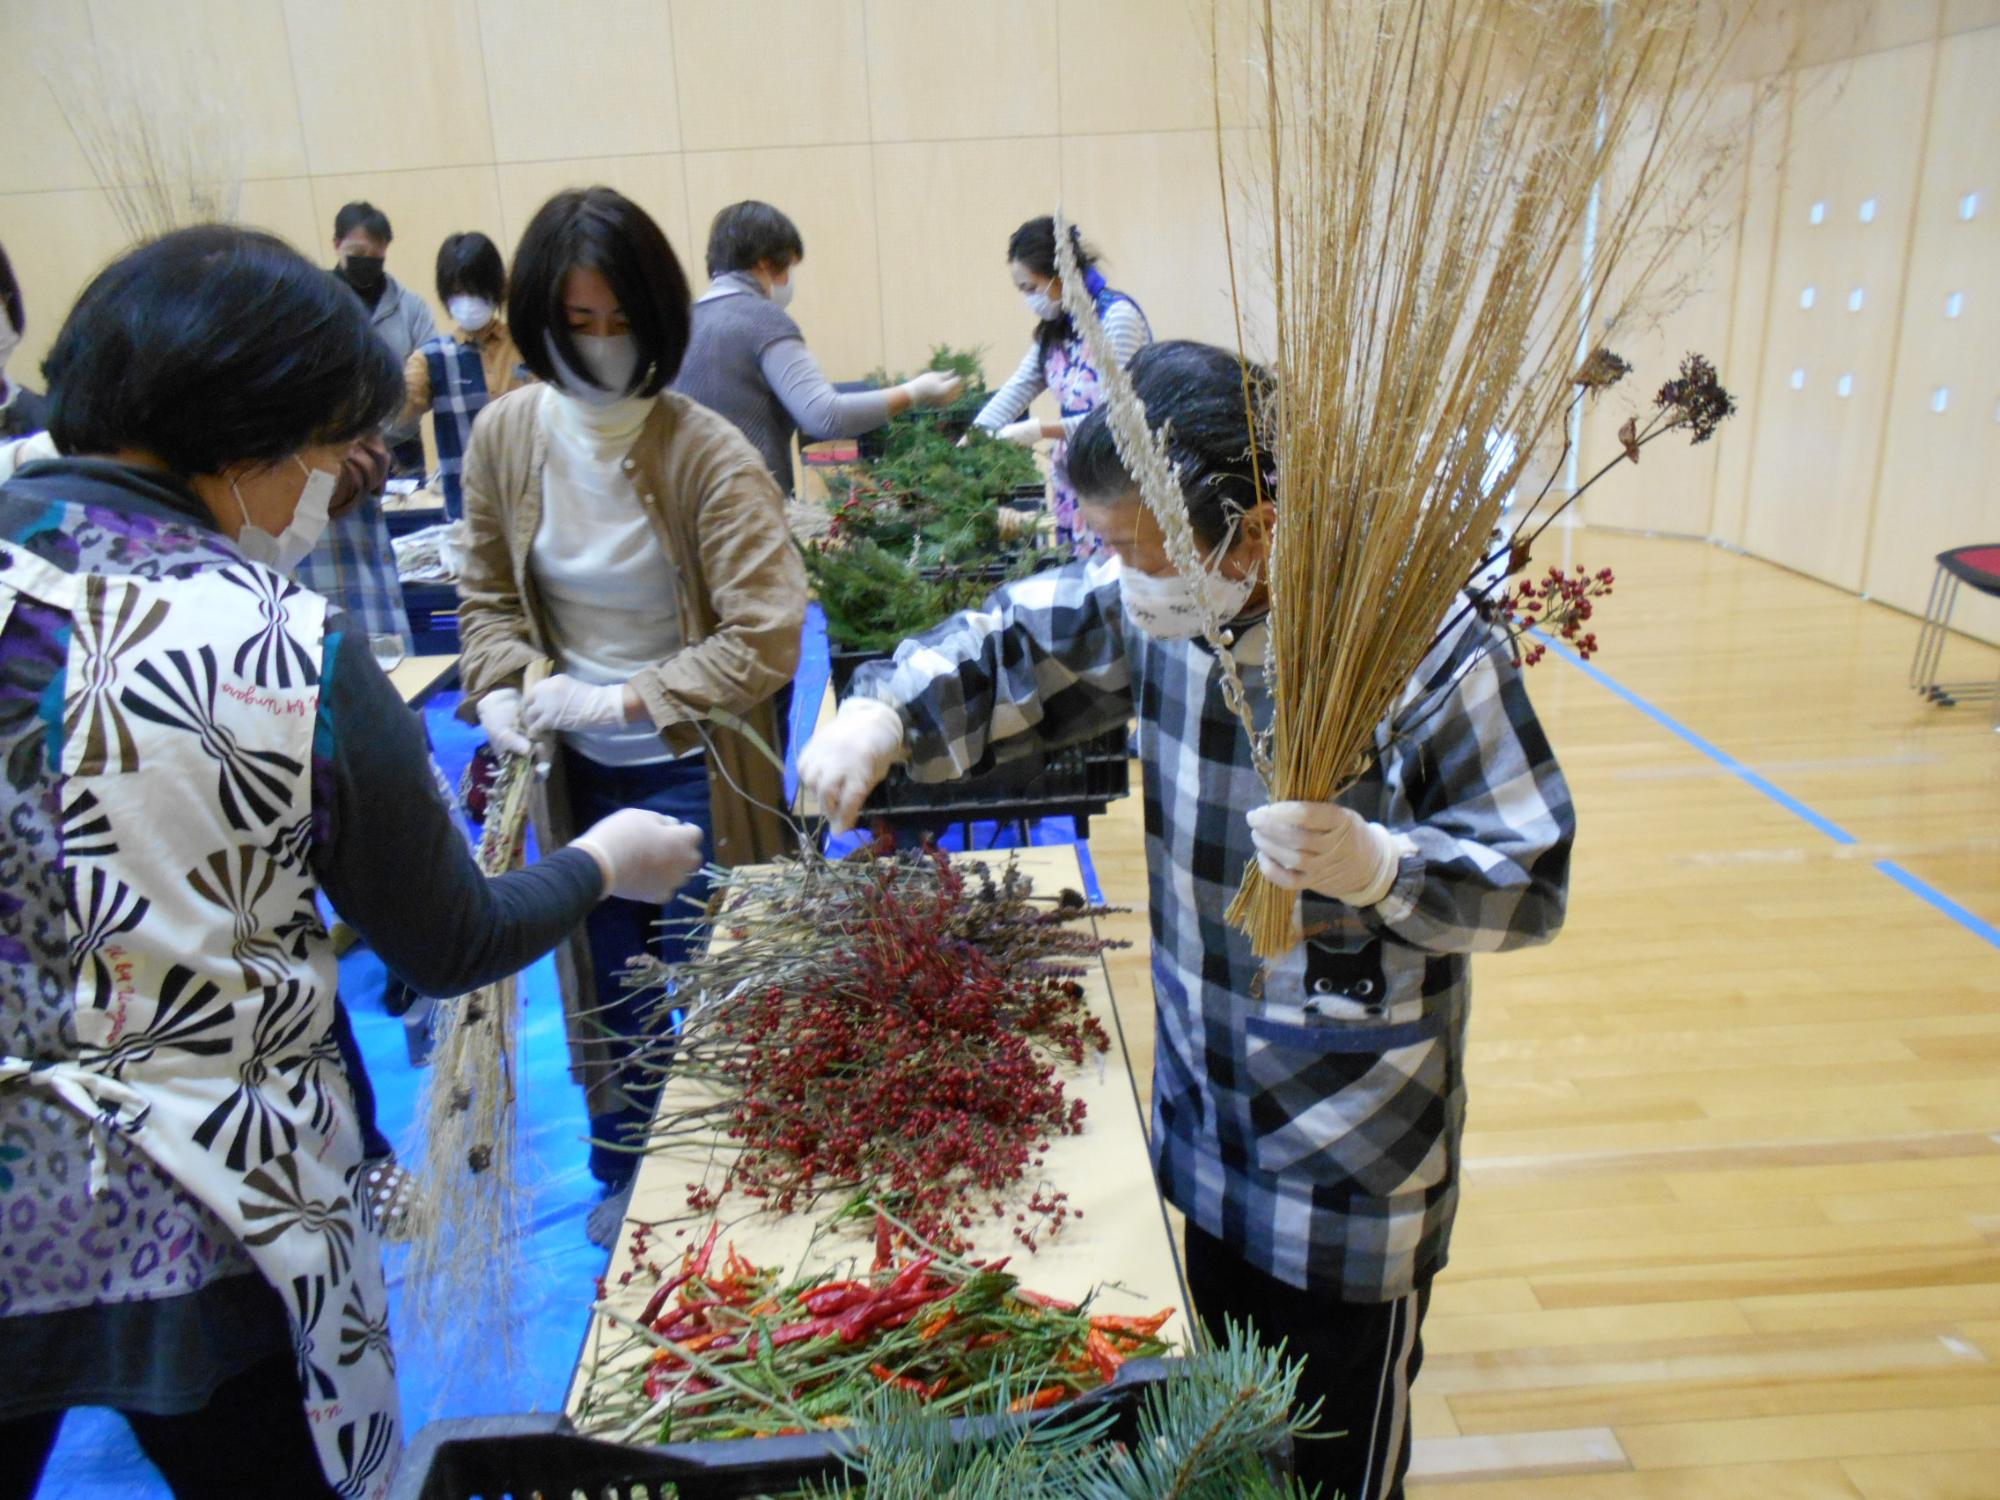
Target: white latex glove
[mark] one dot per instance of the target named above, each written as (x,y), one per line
(1321,846)
(645,856)
(1027,432)
(842,763)
(934,388)
(562,702)
(500,717)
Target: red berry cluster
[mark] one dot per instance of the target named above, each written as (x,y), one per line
(1561,602)
(921,1071)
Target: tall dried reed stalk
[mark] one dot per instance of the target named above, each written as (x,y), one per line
(465,1226)
(159,137)
(1454,187)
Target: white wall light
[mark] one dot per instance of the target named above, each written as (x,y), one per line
(1817,213)
(1954,304)
(1845,385)
(1854,300)
(1799,378)
(1941,399)
(1807,296)
(1868,210)
(1968,207)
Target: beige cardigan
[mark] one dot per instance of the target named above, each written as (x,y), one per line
(720,519)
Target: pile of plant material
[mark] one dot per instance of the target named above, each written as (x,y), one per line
(724,1348)
(888,1027)
(916,534)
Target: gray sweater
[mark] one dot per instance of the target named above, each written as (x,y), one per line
(748,361)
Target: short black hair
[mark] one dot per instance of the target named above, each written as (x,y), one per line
(750,234)
(1034,246)
(214,346)
(1197,389)
(600,229)
(469,265)
(10,293)
(364,216)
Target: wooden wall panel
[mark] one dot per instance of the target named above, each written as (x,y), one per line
(1161,78)
(1151,203)
(1687,310)
(559,89)
(45,44)
(1849,189)
(384,86)
(231,52)
(1940,473)
(1742,367)
(944,212)
(777,73)
(74,234)
(963,70)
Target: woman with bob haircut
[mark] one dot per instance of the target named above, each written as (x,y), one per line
(633,538)
(748,360)
(196,749)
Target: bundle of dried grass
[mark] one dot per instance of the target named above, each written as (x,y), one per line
(465,1225)
(160,140)
(1457,191)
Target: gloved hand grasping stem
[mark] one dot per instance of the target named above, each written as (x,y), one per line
(846,760)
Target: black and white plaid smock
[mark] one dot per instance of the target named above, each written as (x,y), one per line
(1309,1116)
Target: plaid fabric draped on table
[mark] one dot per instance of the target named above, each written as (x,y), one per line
(1309,1112)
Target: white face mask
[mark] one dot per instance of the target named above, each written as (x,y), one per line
(612,359)
(1042,306)
(10,340)
(1165,605)
(470,313)
(301,534)
(780,292)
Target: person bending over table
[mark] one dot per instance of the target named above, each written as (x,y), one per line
(1306,1118)
(748,360)
(1058,361)
(196,748)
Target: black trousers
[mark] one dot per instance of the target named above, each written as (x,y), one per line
(1359,1358)
(251,1439)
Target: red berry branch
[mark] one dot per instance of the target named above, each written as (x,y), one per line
(889,1028)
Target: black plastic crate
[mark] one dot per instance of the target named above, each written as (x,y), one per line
(486,1458)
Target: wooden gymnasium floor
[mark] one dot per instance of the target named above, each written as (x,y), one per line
(1732,1218)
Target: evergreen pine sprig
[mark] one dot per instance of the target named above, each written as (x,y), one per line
(1207,1432)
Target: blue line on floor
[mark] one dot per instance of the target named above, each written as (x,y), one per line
(1714,752)
(1971,921)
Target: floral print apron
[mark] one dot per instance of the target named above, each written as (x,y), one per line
(203,981)
(1078,388)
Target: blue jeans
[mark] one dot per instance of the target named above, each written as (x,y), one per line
(620,929)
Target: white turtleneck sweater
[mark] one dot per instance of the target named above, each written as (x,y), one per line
(612,598)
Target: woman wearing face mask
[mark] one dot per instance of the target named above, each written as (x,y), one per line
(22,412)
(1306,1114)
(196,750)
(635,538)
(454,376)
(1057,361)
(748,360)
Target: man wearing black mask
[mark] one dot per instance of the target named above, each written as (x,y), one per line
(402,321)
